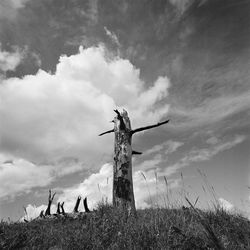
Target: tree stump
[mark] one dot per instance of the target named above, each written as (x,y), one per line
(123,194)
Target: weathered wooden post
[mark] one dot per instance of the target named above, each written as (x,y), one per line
(123,193)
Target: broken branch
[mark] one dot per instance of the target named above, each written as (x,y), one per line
(86,205)
(136,152)
(110,131)
(148,127)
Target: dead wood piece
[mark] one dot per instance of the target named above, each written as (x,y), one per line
(41,215)
(148,127)
(120,118)
(136,152)
(85,204)
(50,200)
(107,132)
(77,204)
(62,208)
(58,211)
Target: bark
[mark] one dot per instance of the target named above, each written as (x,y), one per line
(123,194)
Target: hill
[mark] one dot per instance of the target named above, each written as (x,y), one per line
(108,228)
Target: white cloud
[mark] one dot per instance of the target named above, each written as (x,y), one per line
(149,191)
(159,152)
(33,211)
(197,155)
(8,8)
(212,140)
(181,5)
(10,60)
(226,205)
(98,187)
(150,163)
(19,175)
(112,36)
(169,147)
(17,3)
(209,112)
(46,117)
(104,179)
(50,115)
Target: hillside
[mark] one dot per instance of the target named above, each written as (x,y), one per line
(107,228)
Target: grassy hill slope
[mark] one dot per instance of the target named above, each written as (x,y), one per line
(107,228)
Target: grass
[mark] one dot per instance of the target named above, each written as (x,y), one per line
(109,228)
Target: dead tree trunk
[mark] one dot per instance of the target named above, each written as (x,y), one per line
(50,200)
(123,193)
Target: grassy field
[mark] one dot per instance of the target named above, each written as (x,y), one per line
(108,228)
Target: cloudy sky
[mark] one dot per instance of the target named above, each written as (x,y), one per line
(66,64)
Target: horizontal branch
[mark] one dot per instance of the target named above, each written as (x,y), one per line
(110,131)
(148,127)
(136,152)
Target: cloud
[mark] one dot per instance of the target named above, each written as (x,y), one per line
(151,163)
(33,211)
(98,187)
(17,3)
(210,112)
(19,176)
(112,36)
(53,114)
(169,147)
(150,191)
(197,155)
(226,205)
(181,5)
(157,155)
(10,60)
(47,117)
(8,8)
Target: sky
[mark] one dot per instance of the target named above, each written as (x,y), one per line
(66,64)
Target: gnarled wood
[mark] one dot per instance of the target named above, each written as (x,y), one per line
(50,200)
